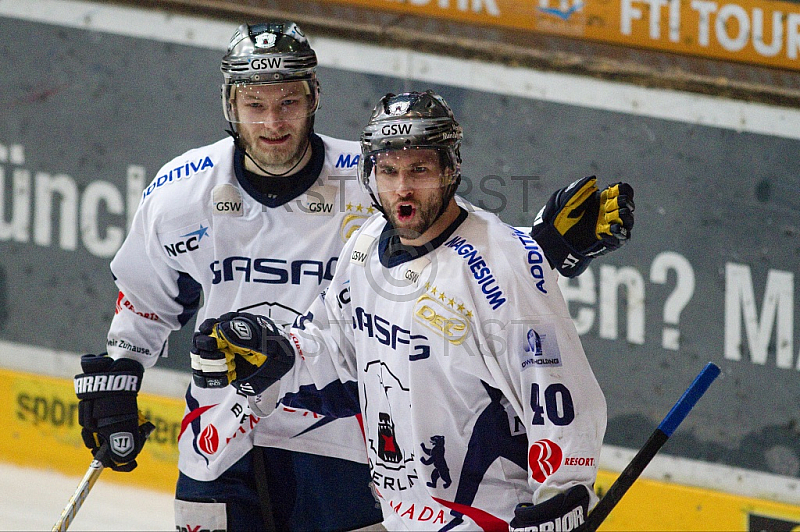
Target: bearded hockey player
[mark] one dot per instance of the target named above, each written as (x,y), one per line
(444,329)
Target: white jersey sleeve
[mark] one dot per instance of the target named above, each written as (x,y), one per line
(157,295)
(538,362)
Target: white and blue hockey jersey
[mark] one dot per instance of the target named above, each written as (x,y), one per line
(463,361)
(198,231)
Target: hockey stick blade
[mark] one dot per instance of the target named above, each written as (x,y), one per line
(654,443)
(87,483)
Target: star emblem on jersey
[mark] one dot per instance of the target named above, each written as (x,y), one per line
(200,233)
(242,329)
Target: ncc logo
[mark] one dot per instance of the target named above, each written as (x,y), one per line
(191,242)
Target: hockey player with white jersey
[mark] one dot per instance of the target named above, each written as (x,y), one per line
(445,330)
(256,223)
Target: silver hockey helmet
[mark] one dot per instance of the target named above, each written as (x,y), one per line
(270,63)
(411,120)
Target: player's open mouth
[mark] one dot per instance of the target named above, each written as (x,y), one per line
(405,211)
(275,140)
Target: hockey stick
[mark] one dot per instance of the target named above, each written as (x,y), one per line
(657,439)
(87,483)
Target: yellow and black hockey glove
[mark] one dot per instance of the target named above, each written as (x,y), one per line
(579,223)
(248,351)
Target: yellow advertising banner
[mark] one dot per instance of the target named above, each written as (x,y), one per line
(40,416)
(654,505)
(760,32)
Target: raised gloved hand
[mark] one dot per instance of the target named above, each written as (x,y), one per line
(579,223)
(248,351)
(108,411)
(565,511)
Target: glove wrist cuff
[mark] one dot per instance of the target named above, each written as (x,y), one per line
(281,360)
(104,377)
(560,254)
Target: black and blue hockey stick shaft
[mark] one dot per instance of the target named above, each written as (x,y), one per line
(657,439)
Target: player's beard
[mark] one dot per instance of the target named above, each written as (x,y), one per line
(426,211)
(277,158)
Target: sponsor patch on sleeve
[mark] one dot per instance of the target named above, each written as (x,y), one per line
(540,347)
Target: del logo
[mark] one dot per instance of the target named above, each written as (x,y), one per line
(266,40)
(399,108)
(442,320)
(541,348)
(191,242)
(544,459)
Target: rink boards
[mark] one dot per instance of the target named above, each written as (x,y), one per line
(40,415)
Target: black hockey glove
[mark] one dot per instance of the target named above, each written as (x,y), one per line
(565,511)
(579,223)
(242,349)
(108,410)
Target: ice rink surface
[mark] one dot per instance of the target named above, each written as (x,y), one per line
(32,499)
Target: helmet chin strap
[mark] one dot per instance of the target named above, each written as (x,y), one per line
(450,194)
(239,144)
